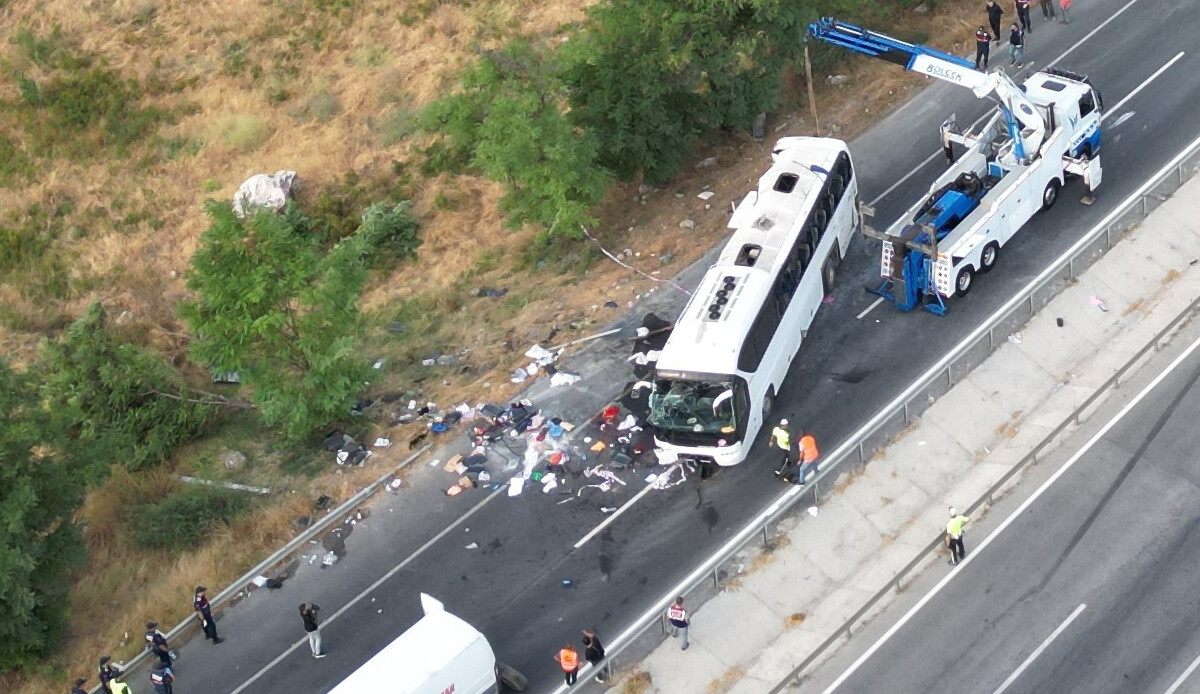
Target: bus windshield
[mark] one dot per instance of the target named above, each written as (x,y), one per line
(693,406)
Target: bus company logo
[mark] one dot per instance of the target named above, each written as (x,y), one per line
(448,690)
(947,73)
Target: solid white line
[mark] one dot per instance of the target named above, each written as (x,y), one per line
(369,590)
(1145,83)
(868,309)
(608,521)
(925,599)
(1045,644)
(1062,55)
(1186,673)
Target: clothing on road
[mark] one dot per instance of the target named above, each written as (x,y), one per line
(568,660)
(1016,46)
(308,613)
(983,46)
(677,619)
(204,615)
(994,12)
(954,535)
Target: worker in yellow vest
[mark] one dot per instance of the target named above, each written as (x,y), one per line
(781,438)
(117,685)
(954,535)
(808,457)
(568,658)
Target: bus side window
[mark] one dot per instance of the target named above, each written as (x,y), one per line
(844,169)
(837,188)
(817,229)
(802,257)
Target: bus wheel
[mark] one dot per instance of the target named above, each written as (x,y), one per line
(829,271)
(962,283)
(510,678)
(768,402)
(1050,195)
(987,259)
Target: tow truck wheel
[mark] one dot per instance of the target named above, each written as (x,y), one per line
(510,678)
(962,284)
(829,271)
(1050,195)
(987,259)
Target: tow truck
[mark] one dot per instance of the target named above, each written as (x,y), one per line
(1013,167)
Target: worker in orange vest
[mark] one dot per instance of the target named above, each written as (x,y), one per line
(569,660)
(808,457)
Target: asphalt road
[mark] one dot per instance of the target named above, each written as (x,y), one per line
(511,586)
(1089,586)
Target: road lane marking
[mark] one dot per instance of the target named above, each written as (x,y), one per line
(1145,83)
(1045,644)
(409,559)
(1186,673)
(1076,457)
(1062,55)
(868,309)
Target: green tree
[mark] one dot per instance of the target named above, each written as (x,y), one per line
(270,303)
(509,123)
(650,76)
(40,542)
(123,401)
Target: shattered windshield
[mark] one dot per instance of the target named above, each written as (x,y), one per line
(700,407)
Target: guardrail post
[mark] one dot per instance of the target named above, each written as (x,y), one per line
(766,537)
(991,338)
(862,455)
(949,377)
(905,408)
(1145,205)
(1071,269)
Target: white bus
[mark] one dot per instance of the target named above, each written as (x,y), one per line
(730,349)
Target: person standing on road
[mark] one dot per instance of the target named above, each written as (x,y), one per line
(1023,15)
(107,673)
(1064,6)
(156,642)
(1047,8)
(204,615)
(677,617)
(994,12)
(983,46)
(954,536)
(593,652)
(162,679)
(781,438)
(568,659)
(78,688)
(118,686)
(808,457)
(1016,46)
(308,613)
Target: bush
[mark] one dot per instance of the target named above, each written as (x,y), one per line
(182,519)
(243,133)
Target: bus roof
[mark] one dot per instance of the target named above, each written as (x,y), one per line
(765,226)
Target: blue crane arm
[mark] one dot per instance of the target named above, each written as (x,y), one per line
(867,42)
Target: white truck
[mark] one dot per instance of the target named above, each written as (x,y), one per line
(1013,167)
(440,654)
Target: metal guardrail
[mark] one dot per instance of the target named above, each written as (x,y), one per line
(960,360)
(277,557)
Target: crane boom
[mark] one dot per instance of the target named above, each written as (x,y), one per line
(1024,122)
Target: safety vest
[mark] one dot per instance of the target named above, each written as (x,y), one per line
(808,448)
(569,659)
(954,527)
(676,613)
(782,437)
(119,687)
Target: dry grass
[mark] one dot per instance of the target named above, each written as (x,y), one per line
(726,681)
(637,682)
(303,85)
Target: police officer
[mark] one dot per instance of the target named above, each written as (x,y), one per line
(107,673)
(204,615)
(157,644)
(78,688)
(781,437)
(954,536)
(983,46)
(162,679)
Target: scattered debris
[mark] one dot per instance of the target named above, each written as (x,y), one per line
(1016,338)
(562,378)
(263,190)
(706,163)
(473,545)
(489,292)
(837,80)
(1059,321)
(687,224)
(1098,303)
(706,195)
(234,460)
